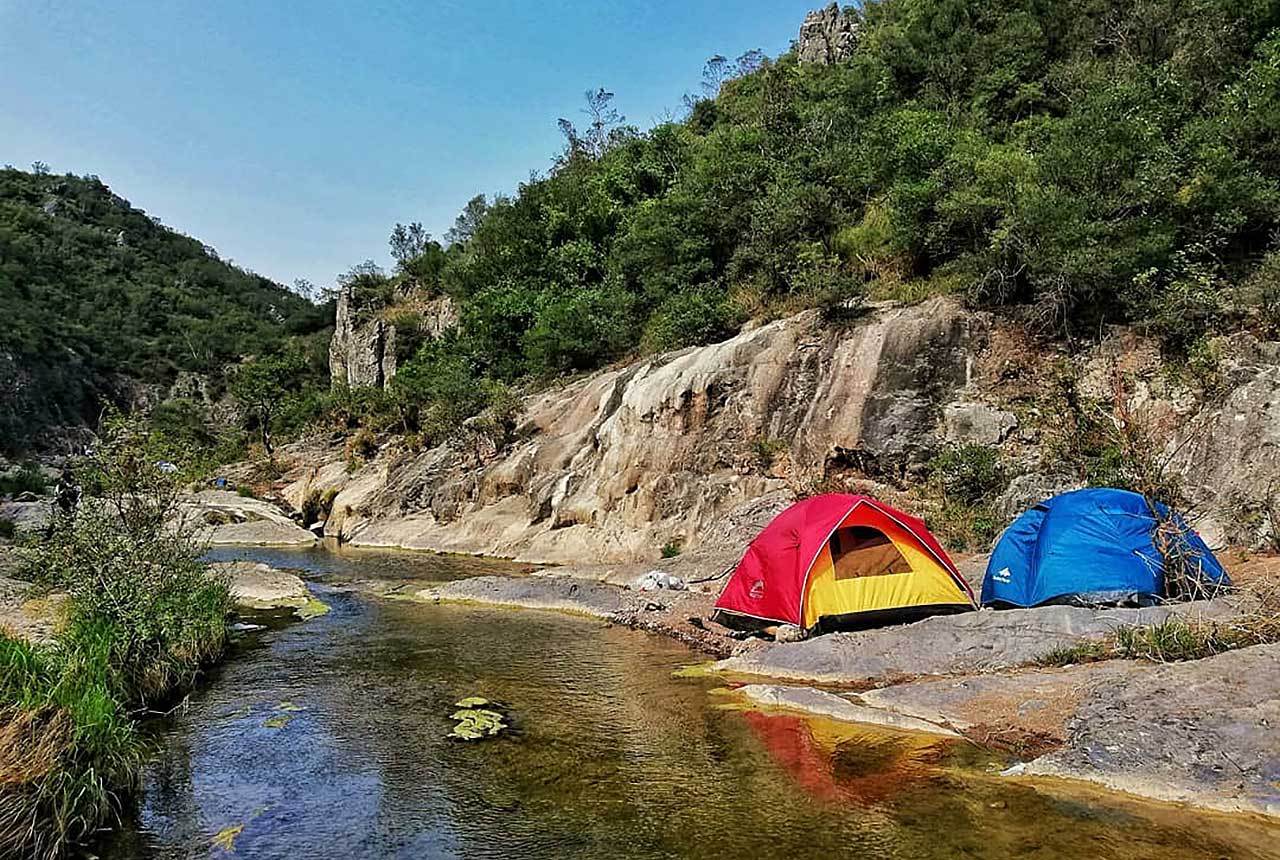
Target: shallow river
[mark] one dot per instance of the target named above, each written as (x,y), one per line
(328,739)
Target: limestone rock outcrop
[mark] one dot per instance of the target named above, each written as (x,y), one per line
(827,36)
(362,353)
(673,449)
(619,464)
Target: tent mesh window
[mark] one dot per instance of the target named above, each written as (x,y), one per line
(864,551)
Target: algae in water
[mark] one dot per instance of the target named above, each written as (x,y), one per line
(476,719)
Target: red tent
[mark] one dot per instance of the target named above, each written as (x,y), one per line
(839,555)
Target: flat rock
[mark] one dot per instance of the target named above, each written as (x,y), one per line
(825,704)
(260,586)
(27,517)
(949,644)
(678,614)
(563,593)
(226,518)
(1205,732)
(28,615)
(1201,732)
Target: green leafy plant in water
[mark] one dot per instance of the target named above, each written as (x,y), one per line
(475,720)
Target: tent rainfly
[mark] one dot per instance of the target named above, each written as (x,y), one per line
(1092,547)
(838,558)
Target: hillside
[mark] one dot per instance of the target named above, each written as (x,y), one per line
(101,301)
(1071,164)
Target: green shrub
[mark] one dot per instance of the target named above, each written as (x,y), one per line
(671,549)
(1175,639)
(968,474)
(26,479)
(767,452)
(144,616)
(967,478)
(691,318)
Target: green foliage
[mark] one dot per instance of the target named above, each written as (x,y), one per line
(968,474)
(261,385)
(968,478)
(132,568)
(93,289)
(1083,165)
(1174,639)
(671,549)
(143,617)
(28,478)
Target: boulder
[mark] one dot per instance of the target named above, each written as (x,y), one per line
(977,423)
(1030,489)
(257,587)
(226,518)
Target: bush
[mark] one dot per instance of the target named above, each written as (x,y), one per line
(968,474)
(132,568)
(692,318)
(144,617)
(967,478)
(26,479)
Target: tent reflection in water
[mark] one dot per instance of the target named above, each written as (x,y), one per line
(838,559)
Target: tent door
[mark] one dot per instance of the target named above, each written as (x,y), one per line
(858,551)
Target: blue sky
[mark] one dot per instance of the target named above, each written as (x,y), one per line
(292,136)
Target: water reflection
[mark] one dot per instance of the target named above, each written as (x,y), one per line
(612,758)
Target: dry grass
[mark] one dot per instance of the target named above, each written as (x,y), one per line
(1179,638)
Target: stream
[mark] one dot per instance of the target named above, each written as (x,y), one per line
(328,738)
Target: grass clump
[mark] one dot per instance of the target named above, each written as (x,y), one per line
(26,479)
(968,479)
(142,619)
(1175,639)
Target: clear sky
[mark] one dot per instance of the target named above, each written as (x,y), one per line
(292,136)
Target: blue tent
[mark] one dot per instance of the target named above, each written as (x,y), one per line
(1090,546)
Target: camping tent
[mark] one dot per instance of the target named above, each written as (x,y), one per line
(837,556)
(1089,547)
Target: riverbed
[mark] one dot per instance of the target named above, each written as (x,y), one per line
(329,738)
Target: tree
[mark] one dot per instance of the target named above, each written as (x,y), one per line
(714,74)
(603,117)
(468,221)
(407,243)
(260,385)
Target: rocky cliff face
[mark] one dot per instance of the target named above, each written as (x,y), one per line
(617,465)
(827,36)
(362,354)
(682,448)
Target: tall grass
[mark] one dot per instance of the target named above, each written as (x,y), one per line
(144,617)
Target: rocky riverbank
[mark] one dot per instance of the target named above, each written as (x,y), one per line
(35,615)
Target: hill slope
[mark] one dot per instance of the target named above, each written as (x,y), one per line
(98,298)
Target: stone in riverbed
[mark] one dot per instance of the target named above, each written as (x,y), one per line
(262,587)
(227,518)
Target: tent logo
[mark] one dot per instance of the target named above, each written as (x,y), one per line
(757,589)
(1002,575)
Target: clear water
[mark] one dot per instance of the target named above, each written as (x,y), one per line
(612,757)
